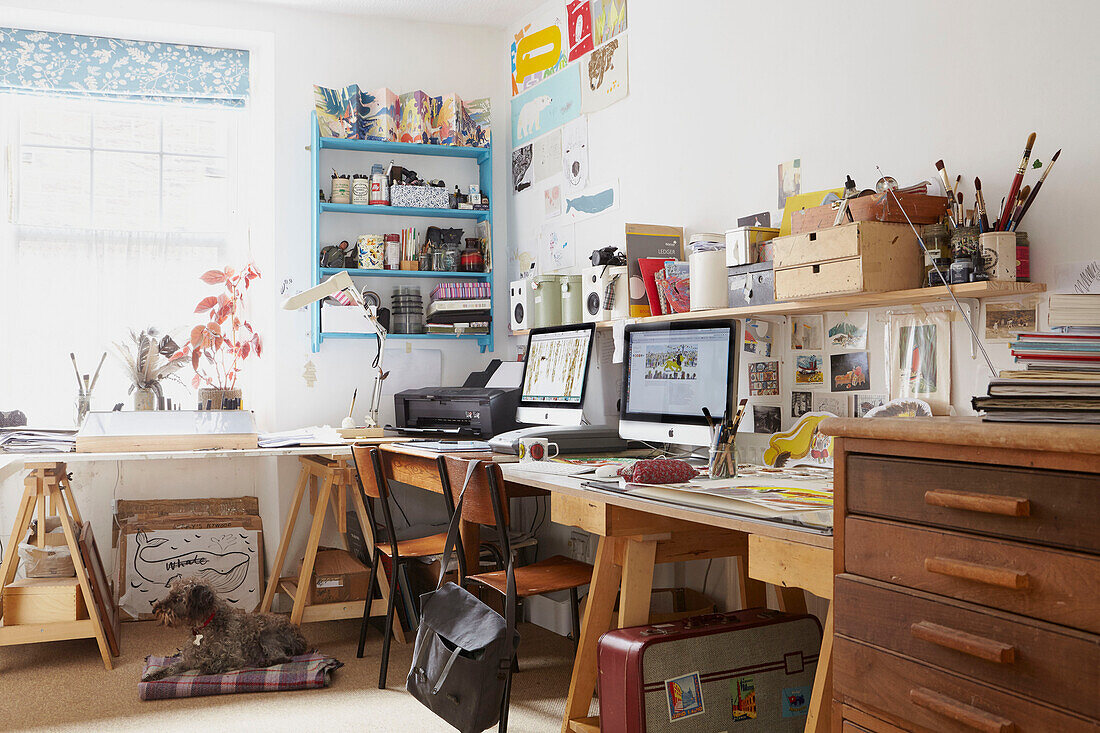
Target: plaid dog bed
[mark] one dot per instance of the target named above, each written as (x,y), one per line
(301,673)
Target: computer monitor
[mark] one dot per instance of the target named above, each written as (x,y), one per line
(555,375)
(671,371)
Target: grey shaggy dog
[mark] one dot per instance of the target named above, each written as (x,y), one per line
(225,637)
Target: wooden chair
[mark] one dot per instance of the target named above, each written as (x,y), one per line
(486,504)
(374,483)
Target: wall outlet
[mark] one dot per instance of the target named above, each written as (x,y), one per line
(578,545)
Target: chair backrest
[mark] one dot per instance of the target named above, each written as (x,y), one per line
(375,486)
(364,465)
(485,482)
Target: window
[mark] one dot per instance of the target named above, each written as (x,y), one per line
(114,210)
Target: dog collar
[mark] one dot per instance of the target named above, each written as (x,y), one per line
(206,623)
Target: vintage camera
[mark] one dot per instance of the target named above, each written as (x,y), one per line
(608,256)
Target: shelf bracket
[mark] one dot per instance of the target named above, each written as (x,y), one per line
(973,309)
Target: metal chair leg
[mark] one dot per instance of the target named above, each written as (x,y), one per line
(575,617)
(502,727)
(388,633)
(367,604)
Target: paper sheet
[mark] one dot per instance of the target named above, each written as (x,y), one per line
(507,375)
(618,333)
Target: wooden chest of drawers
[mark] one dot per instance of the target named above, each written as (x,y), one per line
(968,589)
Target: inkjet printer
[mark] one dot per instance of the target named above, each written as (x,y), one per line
(474,409)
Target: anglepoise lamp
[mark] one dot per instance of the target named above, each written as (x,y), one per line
(340,288)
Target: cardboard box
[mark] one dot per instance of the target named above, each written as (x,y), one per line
(43,601)
(337,577)
(379,115)
(921,208)
(863,257)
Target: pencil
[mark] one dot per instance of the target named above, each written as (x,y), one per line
(1016,181)
(1035,191)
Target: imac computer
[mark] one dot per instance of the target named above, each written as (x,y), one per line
(671,371)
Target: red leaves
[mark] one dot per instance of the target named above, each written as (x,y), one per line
(206,304)
(196,380)
(216,346)
(196,336)
(213,277)
(257,345)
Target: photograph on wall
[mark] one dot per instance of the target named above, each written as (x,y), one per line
(834,404)
(605,75)
(808,369)
(546,156)
(546,106)
(807,333)
(551,199)
(608,19)
(801,403)
(521,168)
(574,154)
(766,419)
(1004,320)
(864,403)
(847,331)
(758,337)
(919,350)
(763,378)
(849,371)
(539,48)
(790,180)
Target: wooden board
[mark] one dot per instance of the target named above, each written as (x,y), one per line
(101,588)
(43,601)
(148,508)
(126,443)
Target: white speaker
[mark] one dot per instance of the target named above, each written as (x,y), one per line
(520,307)
(596,281)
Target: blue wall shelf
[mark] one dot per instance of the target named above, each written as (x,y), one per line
(481,156)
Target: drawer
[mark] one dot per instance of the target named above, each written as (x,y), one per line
(826,278)
(937,700)
(1055,508)
(1017,653)
(1053,585)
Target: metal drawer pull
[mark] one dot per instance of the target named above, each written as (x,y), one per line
(990,650)
(1003,577)
(961,713)
(1008,506)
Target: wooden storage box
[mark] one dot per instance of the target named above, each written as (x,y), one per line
(922,209)
(862,257)
(43,601)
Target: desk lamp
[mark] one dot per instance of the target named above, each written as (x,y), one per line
(340,288)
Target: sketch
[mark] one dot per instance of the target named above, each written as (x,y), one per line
(521,168)
(834,404)
(578,16)
(919,353)
(222,571)
(1004,320)
(850,371)
(806,333)
(592,201)
(917,357)
(559,251)
(807,369)
(538,49)
(546,156)
(758,337)
(790,180)
(847,330)
(546,106)
(802,444)
(763,378)
(864,403)
(801,403)
(606,76)
(766,418)
(552,201)
(574,154)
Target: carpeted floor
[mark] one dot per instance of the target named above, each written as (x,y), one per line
(62,686)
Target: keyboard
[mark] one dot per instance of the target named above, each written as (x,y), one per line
(552,467)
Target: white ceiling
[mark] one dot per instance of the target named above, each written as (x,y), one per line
(494,13)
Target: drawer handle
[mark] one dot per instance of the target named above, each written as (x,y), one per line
(1003,577)
(1008,506)
(990,650)
(961,713)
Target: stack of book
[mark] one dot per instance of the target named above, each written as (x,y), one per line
(1075,313)
(1058,352)
(459,308)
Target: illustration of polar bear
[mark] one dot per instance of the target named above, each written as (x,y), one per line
(529,116)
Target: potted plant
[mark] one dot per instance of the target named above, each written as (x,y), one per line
(217,347)
(148,359)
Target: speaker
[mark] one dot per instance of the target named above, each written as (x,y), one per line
(596,281)
(520,310)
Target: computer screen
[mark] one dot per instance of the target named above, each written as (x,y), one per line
(555,373)
(671,372)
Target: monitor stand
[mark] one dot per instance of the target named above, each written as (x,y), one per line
(571,439)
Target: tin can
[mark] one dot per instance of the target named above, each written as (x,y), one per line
(341,190)
(360,189)
(371,250)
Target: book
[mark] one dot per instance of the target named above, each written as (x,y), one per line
(648,266)
(454,317)
(1073,309)
(461,291)
(448,306)
(1044,388)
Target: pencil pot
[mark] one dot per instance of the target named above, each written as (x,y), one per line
(998,251)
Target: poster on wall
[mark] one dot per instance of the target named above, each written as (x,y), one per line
(539,49)
(594,200)
(850,371)
(605,75)
(574,154)
(546,156)
(521,168)
(578,18)
(559,248)
(919,353)
(767,419)
(608,19)
(764,378)
(758,337)
(549,105)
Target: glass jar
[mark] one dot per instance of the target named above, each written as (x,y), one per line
(450,259)
(1023,258)
(961,269)
(964,242)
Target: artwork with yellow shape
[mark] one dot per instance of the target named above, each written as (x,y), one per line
(538,51)
(803,444)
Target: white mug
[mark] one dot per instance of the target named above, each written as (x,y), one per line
(536,449)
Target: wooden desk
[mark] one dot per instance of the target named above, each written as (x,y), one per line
(635,534)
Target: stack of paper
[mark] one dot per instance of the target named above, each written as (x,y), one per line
(1072,310)
(1041,400)
(313,435)
(23,440)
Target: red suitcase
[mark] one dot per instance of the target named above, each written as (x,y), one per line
(744,671)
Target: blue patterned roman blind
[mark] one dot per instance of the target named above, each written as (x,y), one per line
(38,62)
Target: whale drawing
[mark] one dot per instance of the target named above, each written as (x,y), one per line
(592,204)
(223,571)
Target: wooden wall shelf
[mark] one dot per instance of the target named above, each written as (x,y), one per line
(858,301)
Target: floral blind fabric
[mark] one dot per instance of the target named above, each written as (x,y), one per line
(111,68)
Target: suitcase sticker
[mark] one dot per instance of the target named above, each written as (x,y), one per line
(743,698)
(685,696)
(795,701)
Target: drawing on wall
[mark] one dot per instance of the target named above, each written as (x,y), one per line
(920,359)
(547,106)
(551,199)
(578,16)
(834,404)
(864,403)
(807,369)
(605,76)
(790,180)
(763,219)
(592,201)
(758,337)
(766,418)
(801,403)
(521,168)
(1004,320)
(763,378)
(847,330)
(538,49)
(574,154)
(558,250)
(546,156)
(608,19)
(849,371)
(806,333)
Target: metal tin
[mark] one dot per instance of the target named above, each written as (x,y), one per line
(743,244)
(572,299)
(545,298)
(752,284)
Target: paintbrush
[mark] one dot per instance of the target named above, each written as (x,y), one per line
(961,215)
(1006,214)
(95,377)
(983,220)
(1035,191)
(946,184)
(1018,208)
(737,417)
(79,382)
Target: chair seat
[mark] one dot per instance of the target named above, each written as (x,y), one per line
(417,546)
(545,576)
